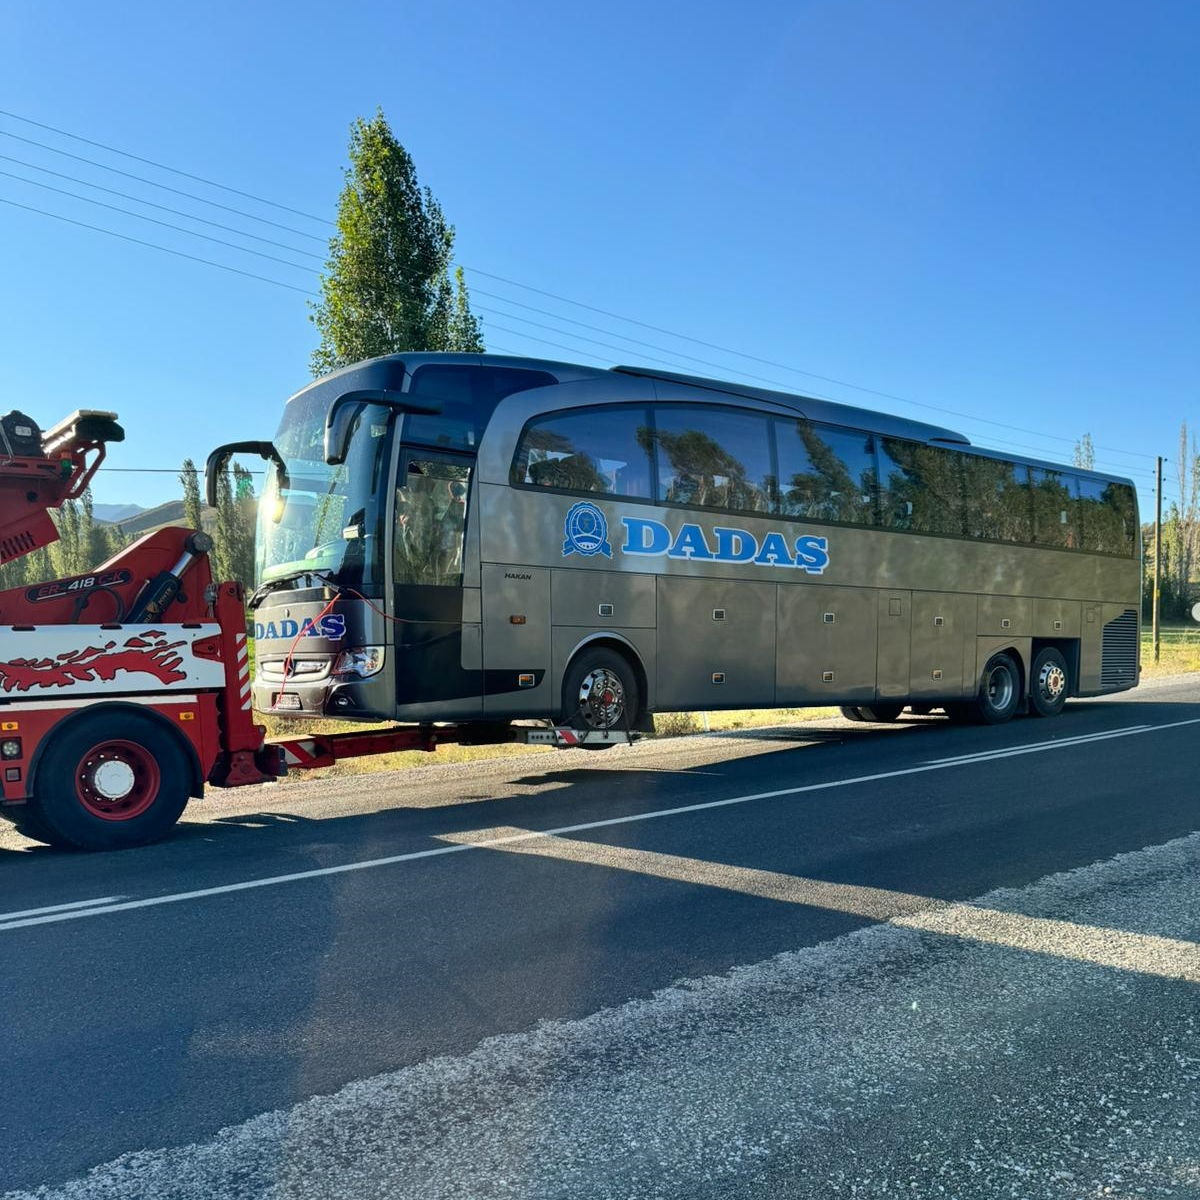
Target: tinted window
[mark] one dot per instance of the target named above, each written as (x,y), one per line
(1055,508)
(920,487)
(714,458)
(997,499)
(467,395)
(431,513)
(589,450)
(1107,514)
(826,474)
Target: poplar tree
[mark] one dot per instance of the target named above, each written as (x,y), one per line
(387,284)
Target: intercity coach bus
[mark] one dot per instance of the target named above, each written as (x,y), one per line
(462,538)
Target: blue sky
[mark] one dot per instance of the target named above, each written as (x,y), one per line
(983,208)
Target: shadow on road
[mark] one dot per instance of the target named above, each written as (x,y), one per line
(1041,798)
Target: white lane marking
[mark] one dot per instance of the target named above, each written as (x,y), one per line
(632,818)
(54,908)
(1054,744)
(1144,953)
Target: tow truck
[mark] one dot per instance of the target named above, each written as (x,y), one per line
(126,690)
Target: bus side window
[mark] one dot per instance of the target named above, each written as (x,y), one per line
(1055,509)
(1105,515)
(999,504)
(714,457)
(587,450)
(826,473)
(920,487)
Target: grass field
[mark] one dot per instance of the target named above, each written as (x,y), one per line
(1179,650)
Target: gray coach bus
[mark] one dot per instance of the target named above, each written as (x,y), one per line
(480,538)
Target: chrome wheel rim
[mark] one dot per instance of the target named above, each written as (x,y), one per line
(1052,681)
(602,698)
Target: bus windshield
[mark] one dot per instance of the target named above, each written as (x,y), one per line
(328,518)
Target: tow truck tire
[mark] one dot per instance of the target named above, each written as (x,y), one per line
(600,691)
(24,819)
(109,780)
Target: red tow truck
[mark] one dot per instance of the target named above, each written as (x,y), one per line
(126,690)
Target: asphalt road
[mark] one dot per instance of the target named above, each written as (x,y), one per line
(828,960)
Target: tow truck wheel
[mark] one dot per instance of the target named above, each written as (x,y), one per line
(111,780)
(600,691)
(25,820)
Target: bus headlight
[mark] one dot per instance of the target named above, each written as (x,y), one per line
(10,748)
(362,661)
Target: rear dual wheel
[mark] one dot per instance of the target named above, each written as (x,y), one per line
(109,780)
(1049,683)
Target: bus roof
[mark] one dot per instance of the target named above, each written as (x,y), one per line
(387,373)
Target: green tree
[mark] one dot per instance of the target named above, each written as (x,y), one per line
(387,285)
(233,539)
(1085,453)
(189,480)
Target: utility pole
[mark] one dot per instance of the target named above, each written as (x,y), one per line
(1157,546)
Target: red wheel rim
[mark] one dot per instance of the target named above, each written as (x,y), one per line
(117,780)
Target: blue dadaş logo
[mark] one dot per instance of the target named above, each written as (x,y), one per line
(331,626)
(586,531)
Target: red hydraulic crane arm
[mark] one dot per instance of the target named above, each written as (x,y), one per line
(38,472)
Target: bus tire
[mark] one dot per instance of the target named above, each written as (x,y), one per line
(920,710)
(882,714)
(600,691)
(1049,684)
(110,780)
(999,694)
(852,714)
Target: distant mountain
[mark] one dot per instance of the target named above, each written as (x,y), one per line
(116,513)
(144,520)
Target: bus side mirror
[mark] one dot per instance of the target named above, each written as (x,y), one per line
(214,468)
(343,412)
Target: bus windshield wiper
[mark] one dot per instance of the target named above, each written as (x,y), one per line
(263,590)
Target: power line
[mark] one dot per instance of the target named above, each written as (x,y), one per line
(612,333)
(155,221)
(91,162)
(163,167)
(208,262)
(571,349)
(179,212)
(515,283)
(784,366)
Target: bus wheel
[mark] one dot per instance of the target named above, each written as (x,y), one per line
(852,714)
(600,691)
(1050,683)
(881,713)
(111,780)
(999,691)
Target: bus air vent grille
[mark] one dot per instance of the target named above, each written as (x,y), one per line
(1119,652)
